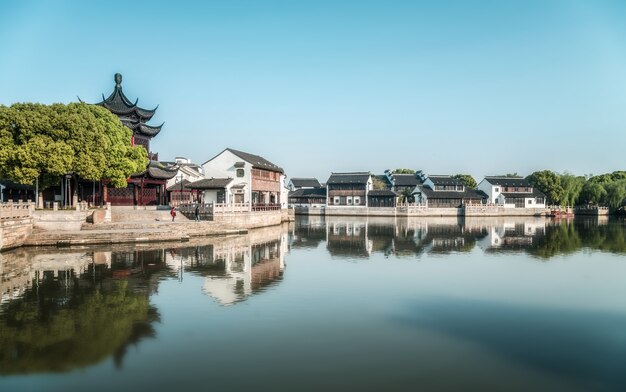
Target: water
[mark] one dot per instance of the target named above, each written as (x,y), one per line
(342,304)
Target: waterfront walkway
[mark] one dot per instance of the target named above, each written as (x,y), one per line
(129,232)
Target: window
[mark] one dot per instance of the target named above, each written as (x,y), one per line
(357,200)
(496,189)
(530,201)
(349,200)
(240,172)
(337,200)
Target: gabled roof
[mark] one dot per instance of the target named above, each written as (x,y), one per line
(211,183)
(177,186)
(306,193)
(348,178)
(404,179)
(508,181)
(256,161)
(305,183)
(381,192)
(445,180)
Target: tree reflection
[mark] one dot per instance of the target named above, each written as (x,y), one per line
(60,325)
(358,238)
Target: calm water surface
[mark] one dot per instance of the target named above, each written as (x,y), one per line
(336,304)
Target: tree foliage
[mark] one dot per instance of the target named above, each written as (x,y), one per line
(549,183)
(403,171)
(43,141)
(572,186)
(467,180)
(378,184)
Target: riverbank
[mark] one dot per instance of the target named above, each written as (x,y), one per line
(124,226)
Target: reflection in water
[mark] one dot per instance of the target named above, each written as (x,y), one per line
(354,238)
(63,309)
(234,267)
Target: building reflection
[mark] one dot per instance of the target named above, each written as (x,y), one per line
(234,267)
(360,237)
(66,308)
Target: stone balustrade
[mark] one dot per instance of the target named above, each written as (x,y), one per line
(19,210)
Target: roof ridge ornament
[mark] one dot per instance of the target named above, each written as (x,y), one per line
(118,79)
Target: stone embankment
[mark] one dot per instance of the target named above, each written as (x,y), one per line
(121,225)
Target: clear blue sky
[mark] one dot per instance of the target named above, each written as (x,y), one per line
(482,87)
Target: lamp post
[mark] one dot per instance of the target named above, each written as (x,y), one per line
(181,188)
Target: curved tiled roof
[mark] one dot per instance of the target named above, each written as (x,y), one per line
(305,182)
(131,115)
(211,183)
(508,181)
(256,161)
(306,193)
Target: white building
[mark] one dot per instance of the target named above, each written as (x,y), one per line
(512,192)
(239,177)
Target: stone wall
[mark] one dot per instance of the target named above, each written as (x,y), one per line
(143,214)
(63,220)
(495,210)
(250,219)
(14,232)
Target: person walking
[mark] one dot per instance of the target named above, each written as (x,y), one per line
(173,213)
(197,212)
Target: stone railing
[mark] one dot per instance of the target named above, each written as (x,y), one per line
(214,208)
(17,210)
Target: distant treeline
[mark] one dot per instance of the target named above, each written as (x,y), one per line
(570,190)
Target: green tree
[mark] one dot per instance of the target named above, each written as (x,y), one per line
(549,183)
(407,195)
(615,193)
(592,193)
(468,180)
(572,186)
(43,141)
(403,171)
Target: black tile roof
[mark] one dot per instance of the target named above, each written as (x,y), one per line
(305,182)
(445,180)
(405,180)
(256,161)
(176,187)
(211,183)
(348,178)
(159,170)
(16,186)
(508,181)
(306,193)
(130,114)
(381,192)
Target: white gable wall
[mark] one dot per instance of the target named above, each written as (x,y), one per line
(223,166)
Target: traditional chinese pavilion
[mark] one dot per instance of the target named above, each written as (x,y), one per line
(147,187)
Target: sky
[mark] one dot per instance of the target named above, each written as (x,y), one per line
(447,87)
